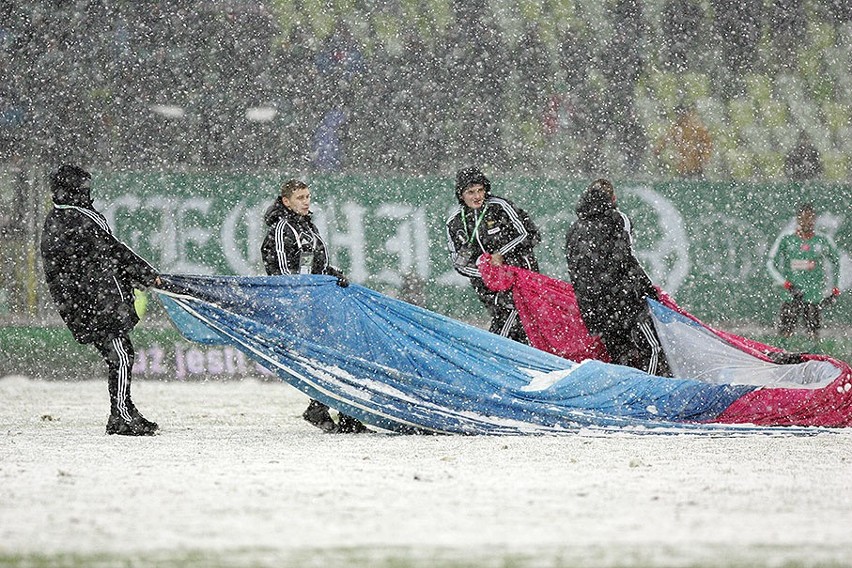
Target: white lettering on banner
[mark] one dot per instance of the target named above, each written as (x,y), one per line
(420,233)
(243,258)
(412,252)
(194,361)
(150,361)
(127,202)
(165,239)
(210,362)
(668,260)
(192,234)
(352,240)
(175,234)
(235,361)
(344,228)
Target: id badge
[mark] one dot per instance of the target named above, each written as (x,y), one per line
(306,262)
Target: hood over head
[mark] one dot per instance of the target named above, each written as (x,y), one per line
(469,176)
(70,185)
(598,198)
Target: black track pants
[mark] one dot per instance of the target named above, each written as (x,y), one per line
(637,347)
(118,354)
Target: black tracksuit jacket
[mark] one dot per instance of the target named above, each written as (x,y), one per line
(288,237)
(608,281)
(501,230)
(90,273)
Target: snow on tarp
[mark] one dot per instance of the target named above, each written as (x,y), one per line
(806,390)
(403,368)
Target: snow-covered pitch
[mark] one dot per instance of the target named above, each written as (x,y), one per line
(237,478)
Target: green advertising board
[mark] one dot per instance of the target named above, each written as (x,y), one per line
(705,243)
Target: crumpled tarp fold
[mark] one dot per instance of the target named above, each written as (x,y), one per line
(789,389)
(402,368)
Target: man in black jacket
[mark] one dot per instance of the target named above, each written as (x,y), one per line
(609,283)
(485,223)
(293,245)
(91,276)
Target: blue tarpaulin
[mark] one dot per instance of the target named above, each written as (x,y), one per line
(403,368)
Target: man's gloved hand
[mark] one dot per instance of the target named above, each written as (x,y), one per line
(831,299)
(342,281)
(797,294)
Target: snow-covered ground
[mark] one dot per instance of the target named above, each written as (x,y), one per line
(236,478)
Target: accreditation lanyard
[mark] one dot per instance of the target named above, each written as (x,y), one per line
(471,236)
(306,258)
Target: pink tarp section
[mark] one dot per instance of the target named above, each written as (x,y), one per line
(548,310)
(829,406)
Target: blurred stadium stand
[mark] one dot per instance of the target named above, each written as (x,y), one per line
(569,88)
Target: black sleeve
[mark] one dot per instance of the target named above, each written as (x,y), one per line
(511,219)
(461,254)
(330,270)
(106,248)
(635,277)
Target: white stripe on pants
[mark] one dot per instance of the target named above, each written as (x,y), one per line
(125,367)
(654,344)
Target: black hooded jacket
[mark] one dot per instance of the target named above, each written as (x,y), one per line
(90,273)
(499,227)
(288,237)
(608,281)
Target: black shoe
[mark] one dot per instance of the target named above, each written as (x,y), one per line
(317,414)
(136,415)
(136,426)
(349,425)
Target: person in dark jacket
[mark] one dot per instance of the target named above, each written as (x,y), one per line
(485,223)
(803,162)
(91,276)
(293,245)
(610,285)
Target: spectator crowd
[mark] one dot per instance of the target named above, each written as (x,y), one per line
(249,85)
